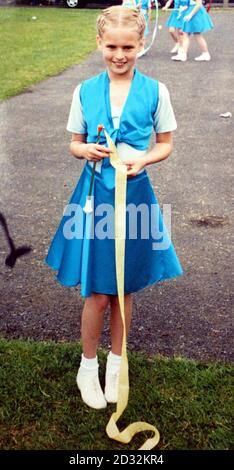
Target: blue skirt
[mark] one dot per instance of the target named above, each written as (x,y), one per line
(199,23)
(80,256)
(174,21)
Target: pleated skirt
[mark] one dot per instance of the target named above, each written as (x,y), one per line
(199,23)
(174,21)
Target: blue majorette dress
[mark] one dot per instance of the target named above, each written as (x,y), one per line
(88,259)
(200,22)
(174,19)
(144,10)
(145,5)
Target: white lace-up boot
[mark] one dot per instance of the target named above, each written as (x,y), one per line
(112,377)
(88,383)
(181,56)
(205,56)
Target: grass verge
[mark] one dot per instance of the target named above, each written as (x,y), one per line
(32,50)
(189,402)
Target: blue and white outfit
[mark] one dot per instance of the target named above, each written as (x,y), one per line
(174,19)
(199,23)
(90,261)
(145,7)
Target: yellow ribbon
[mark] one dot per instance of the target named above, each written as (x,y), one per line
(112,430)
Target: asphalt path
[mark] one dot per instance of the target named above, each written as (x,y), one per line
(190,316)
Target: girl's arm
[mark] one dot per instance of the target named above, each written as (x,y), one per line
(194,11)
(92,152)
(168,4)
(159,152)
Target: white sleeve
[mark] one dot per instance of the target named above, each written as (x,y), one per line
(76,122)
(164,118)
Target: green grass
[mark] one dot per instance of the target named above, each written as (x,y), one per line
(190,403)
(32,50)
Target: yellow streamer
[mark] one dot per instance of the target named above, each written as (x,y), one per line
(112,430)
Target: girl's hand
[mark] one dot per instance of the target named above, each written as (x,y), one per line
(134,166)
(183,8)
(95,152)
(187,18)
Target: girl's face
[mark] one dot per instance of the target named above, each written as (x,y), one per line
(120,47)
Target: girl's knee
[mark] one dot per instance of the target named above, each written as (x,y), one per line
(101,300)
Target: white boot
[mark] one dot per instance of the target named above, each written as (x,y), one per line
(88,383)
(112,377)
(175,48)
(205,56)
(181,56)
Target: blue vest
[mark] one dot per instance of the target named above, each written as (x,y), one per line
(137,119)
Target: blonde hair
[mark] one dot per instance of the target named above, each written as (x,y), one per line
(117,16)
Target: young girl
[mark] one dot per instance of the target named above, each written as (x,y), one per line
(195,20)
(145,7)
(130,105)
(174,24)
